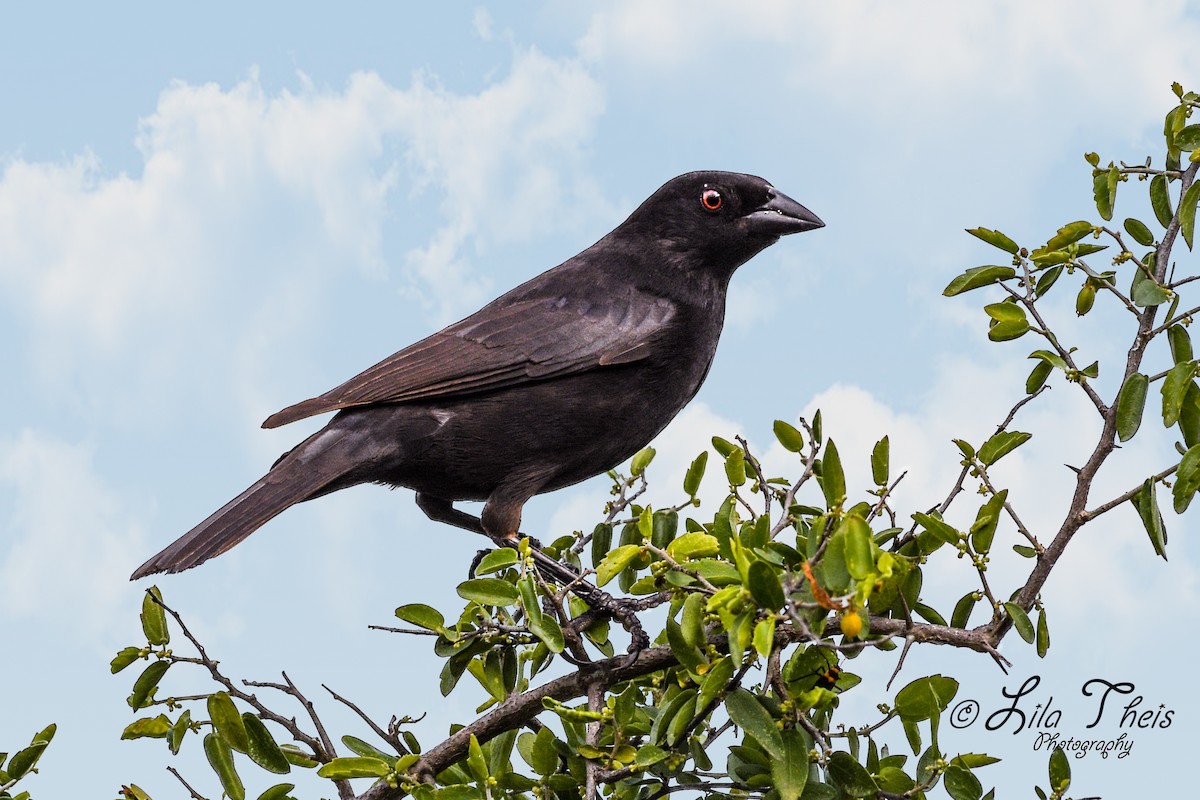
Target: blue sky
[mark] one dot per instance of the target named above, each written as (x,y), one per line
(206,215)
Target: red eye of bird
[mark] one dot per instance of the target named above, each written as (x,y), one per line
(711,199)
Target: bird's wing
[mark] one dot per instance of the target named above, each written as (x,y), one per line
(501,346)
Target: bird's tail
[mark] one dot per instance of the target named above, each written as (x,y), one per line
(290,481)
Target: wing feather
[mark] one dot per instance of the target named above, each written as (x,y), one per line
(502,346)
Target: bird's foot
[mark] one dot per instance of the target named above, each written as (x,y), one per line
(479,556)
(602,604)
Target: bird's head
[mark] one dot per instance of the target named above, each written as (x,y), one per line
(725,218)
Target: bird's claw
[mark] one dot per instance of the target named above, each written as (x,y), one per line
(479,556)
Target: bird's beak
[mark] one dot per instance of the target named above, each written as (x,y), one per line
(782,215)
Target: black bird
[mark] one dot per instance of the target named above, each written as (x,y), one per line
(560,379)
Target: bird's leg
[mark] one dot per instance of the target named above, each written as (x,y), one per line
(441,510)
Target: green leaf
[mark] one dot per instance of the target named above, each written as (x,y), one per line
(476,763)
(1043,634)
(1146,503)
(714,682)
(1187,479)
(1187,213)
(912,733)
(850,776)
(1172,125)
(124,657)
(859,560)
(974,760)
(879,461)
(1047,280)
(618,560)
(641,460)
(789,436)
(1188,138)
(1085,299)
(1070,233)
(154,618)
(976,277)
(961,784)
(423,616)
(833,479)
(26,759)
(682,702)
(1174,389)
(496,560)
(1000,445)
(1060,771)
(764,636)
(1037,377)
(152,727)
(1130,405)
(228,722)
(941,529)
(220,758)
(488,592)
(894,780)
(147,682)
(765,586)
(1140,233)
(995,239)
(1104,190)
(924,697)
(347,767)
(1189,415)
(279,791)
(695,473)
(547,629)
(735,467)
(1008,331)
(263,749)
(1020,621)
(1145,291)
(693,545)
(178,731)
(648,755)
(664,527)
(723,446)
(962,610)
(681,719)
(1009,322)
(601,541)
(299,758)
(1181,343)
(361,748)
(929,614)
(1160,200)
(544,758)
(789,773)
(984,528)
(749,715)
(691,619)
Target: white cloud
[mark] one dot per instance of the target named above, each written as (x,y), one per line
(250,205)
(69,542)
(502,159)
(941,48)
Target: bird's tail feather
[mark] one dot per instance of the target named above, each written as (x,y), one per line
(285,485)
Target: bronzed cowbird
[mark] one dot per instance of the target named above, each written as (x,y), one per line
(558,380)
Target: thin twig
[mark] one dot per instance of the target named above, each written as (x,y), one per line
(191,792)
(390,738)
